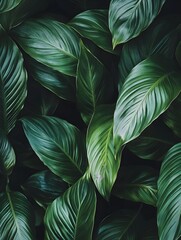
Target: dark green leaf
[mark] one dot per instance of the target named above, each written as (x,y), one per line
(13,78)
(169,195)
(147,92)
(128,18)
(6,6)
(51,43)
(100,149)
(58,144)
(71,217)
(138,184)
(16,220)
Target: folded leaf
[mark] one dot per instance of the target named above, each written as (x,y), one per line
(6,6)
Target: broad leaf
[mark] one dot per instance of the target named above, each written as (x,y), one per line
(147,92)
(12,82)
(51,43)
(6,6)
(137,184)
(123,225)
(100,149)
(93,24)
(128,18)
(7,155)
(16,218)
(71,217)
(58,144)
(44,187)
(169,195)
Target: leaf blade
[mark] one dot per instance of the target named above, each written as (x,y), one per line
(6,6)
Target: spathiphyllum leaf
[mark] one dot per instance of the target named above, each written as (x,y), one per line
(8,5)
(71,217)
(147,92)
(128,18)
(7,155)
(100,149)
(169,195)
(16,217)
(138,184)
(93,24)
(51,43)
(58,144)
(91,84)
(12,82)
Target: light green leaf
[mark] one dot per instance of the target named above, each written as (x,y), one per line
(13,78)
(16,219)
(137,184)
(169,195)
(71,217)
(147,92)
(100,149)
(6,6)
(128,18)
(51,43)
(58,144)
(7,155)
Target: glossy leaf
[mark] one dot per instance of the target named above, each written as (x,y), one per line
(16,218)
(137,184)
(169,195)
(58,144)
(100,149)
(7,155)
(6,6)
(93,24)
(123,225)
(147,92)
(127,19)
(13,78)
(51,43)
(71,217)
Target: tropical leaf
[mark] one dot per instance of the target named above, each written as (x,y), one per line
(13,78)
(127,19)
(7,155)
(51,43)
(92,89)
(137,184)
(6,6)
(58,144)
(147,92)
(93,24)
(169,195)
(100,150)
(123,225)
(44,187)
(16,218)
(71,217)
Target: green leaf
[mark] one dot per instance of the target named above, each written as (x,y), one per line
(92,89)
(16,219)
(93,24)
(44,187)
(128,18)
(169,195)
(51,43)
(100,150)
(6,6)
(147,92)
(122,225)
(13,78)
(137,184)
(58,144)
(71,217)
(7,155)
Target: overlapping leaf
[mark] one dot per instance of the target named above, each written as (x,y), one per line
(12,82)
(127,19)
(58,144)
(16,217)
(51,43)
(147,92)
(71,217)
(6,6)
(169,195)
